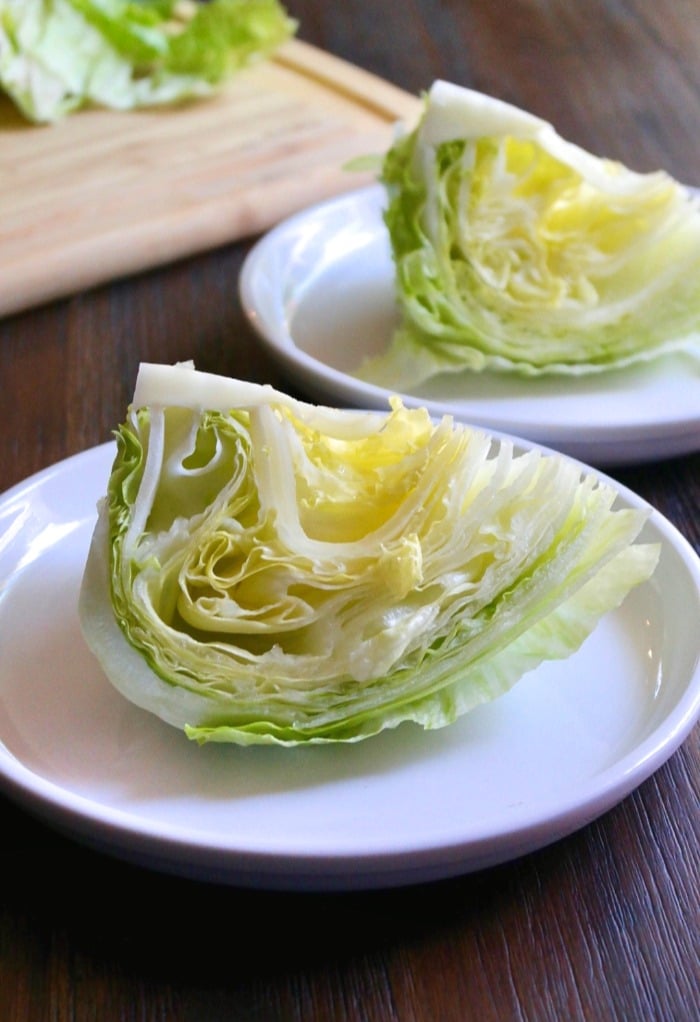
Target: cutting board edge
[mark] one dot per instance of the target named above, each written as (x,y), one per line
(110,257)
(377,94)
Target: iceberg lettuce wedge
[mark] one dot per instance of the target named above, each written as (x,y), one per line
(269,571)
(59,55)
(517,251)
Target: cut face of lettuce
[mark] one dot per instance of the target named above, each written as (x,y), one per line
(59,55)
(516,251)
(265,570)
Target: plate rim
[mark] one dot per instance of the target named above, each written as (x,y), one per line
(169,848)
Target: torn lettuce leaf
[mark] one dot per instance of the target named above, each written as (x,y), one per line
(269,571)
(59,55)
(517,251)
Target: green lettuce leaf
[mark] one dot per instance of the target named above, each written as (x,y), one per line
(269,571)
(517,251)
(59,55)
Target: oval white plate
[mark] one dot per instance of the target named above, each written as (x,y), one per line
(319,291)
(566,744)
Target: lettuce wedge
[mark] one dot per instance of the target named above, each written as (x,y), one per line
(517,251)
(269,571)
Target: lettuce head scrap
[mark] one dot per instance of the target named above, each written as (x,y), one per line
(517,251)
(269,571)
(59,55)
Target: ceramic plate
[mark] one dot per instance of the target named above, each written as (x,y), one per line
(319,291)
(564,745)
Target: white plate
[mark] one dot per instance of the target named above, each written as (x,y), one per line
(319,291)
(567,743)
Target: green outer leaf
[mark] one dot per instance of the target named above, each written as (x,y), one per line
(59,55)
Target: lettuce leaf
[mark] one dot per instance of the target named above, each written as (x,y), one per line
(517,251)
(269,571)
(59,55)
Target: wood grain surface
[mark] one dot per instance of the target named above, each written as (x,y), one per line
(103,194)
(603,926)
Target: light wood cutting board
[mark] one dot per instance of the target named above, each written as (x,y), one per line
(104,194)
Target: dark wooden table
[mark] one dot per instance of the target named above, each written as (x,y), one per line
(603,925)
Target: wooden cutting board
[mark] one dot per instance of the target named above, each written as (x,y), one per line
(105,194)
